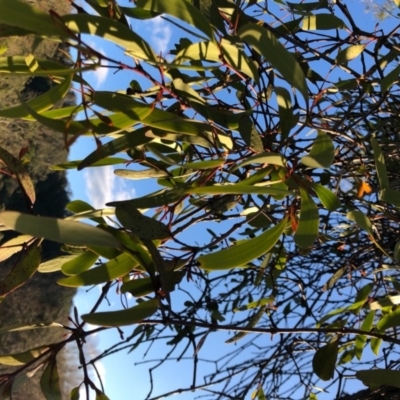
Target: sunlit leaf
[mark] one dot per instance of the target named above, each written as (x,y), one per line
(328,199)
(322,21)
(380,164)
(266,44)
(20,328)
(13,246)
(79,264)
(238,189)
(106,272)
(285,110)
(349,53)
(57,230)
(142,174)
(263,158)
(244,252)
(130,316)
(391,78)
(362,339)
(391,196)
(55,264)
(322,152)
(24,357)
(100,163)
(390,320)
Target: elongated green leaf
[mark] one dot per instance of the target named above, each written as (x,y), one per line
(238,189)
(266,44)
(362,296)
(100,163)
(19,328)
(244,252)
(50,382)
(307,230)
(249,134)
(322,152)
(23,15)
(380,164)
(389,321)
(361,220)
(324,360)
(334,278)
(55,264)
(285,111)
(207,164)
(13,246)
(57,230)
(349,53)
(251,324)
(329,200)
(26,266)
(125,317)
(143,174)
(391,78)
(24,357)
(362,339)
(391,196)
(79,264)
(379,377)
(40,103)
(112,31)
(140,225)
(107,272)
(263,158)
(322,22)
(182,10)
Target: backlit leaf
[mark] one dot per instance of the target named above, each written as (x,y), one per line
(328,199)
(390,320)
(130,316)
(12,246)
(243,252)
(350,53)
(362,339)
(322,22)
(79,264)
(55,264)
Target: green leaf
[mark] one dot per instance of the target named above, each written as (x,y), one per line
(13,246)
(130,316)
(390,320)
(349,53)
(375,378)
(143,174)
(396,251)
(55,264)
(322,22)
(74,395)
(50,382)
(100,163)
(322,152)
(328,199)
(182,10)
(237,188)
(244,252)
(361,220)
(107,272)
(391,78)
(376,344)
(249,134)
(362,297)
(380,165)
(21,14)
(113,31)
(391,196)
(324,360)
(285,111)
(263,158)
(79,264)
(251,324)
(140,225)
(334,278)
(307,230)
(266,44)
(57,230)
(255,304)
(24,357)
(40,103)
(362,339)
(19,328)
(27,264)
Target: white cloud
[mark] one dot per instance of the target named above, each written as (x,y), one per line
(160,34)
(103,186)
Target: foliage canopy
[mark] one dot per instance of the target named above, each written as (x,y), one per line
(273,126)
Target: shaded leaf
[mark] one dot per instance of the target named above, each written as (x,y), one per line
(57,230)
(324,360)
(362,339)
(50,382)
(249,134)
(322,152)
(379,377)
(79,264)
(142,174)
(328,199)
(380,164)
(285,111)
(308,228)
(390,79)
(322,22)
(24,357)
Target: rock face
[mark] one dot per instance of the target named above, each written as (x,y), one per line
(41,299)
